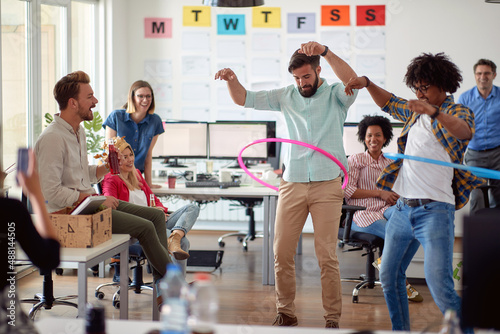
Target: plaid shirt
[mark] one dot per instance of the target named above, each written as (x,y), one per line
(463,181)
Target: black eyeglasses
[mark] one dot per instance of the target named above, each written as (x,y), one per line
(422,89)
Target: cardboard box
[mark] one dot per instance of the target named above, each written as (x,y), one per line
(82,231)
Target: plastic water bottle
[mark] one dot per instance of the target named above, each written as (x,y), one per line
(204,305)
(451,323)
(95,322)
(174,312)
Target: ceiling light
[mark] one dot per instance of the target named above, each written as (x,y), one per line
(233,3)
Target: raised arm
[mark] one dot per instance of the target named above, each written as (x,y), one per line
(457,127)
(237,92)
(30,184)
(379,95)
(343,71)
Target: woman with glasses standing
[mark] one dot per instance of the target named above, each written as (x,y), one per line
(140,126)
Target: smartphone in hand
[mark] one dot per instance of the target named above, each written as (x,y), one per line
(22,160)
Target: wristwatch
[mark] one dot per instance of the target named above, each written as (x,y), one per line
(324,52)
(436,113)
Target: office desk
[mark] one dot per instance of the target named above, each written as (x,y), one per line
(89,257)
(269,198)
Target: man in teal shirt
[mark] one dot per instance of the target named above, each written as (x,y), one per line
(315,112)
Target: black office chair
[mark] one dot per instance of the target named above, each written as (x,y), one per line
(251,234)
(45,299)
(136,254)
(359,241)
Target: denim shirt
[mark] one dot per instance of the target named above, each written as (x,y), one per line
(486,116)
(139,136)
(317,120)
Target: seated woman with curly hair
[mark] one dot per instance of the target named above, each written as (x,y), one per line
(375,132)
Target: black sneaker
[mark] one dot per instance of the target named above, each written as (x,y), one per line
(285,320)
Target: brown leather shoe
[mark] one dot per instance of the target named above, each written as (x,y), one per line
(331,324)
(174,247)
(285,320)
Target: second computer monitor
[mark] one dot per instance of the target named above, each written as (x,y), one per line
(226,139)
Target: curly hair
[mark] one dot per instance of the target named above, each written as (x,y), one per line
(383,122)
(437,70)
(299,59)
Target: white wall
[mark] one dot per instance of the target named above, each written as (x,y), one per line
(464,29)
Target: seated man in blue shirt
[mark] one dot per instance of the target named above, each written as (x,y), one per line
(314,112)
(484,147)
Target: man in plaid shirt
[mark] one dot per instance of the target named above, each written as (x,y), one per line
(434,127)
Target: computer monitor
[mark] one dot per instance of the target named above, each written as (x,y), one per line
(481,270)
(227,138)
(182,140)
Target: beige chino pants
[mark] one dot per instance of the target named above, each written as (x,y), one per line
(296,200)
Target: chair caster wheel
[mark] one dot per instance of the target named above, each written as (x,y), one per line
(355,299)
(222,244)
(116,304)
(245,248)
(240,239)
(99,294)
(59,271)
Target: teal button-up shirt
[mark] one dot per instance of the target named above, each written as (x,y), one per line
(317,120)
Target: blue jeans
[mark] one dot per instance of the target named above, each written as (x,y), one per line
(431,225)
(183,219)
(377,227)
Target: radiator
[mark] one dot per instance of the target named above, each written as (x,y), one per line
(223,210)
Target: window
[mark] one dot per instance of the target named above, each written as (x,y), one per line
(13,85)
(83,41)
(34,57)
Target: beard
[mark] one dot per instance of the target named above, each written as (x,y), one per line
(86,114)
(312,89)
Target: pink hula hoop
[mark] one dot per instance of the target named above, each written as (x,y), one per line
(290,141)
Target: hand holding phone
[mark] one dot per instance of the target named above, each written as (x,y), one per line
(27,175)
(23,160)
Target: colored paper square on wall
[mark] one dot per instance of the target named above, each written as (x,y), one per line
(157,27)
(335,16)
(301,23)
(196,16)
(230,24)
(370,15)
(266,17)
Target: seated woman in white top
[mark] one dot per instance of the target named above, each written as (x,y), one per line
(130,186)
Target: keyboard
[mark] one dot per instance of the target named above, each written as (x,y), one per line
(211,184)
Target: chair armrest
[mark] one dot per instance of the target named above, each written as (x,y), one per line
(349,215)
